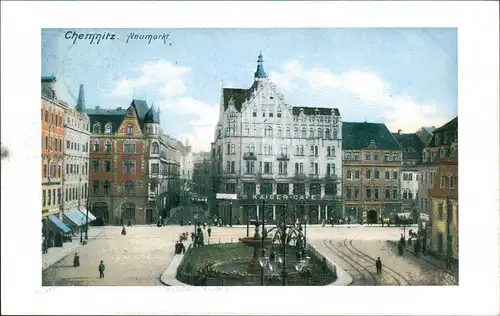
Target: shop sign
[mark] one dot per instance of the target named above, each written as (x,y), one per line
(286,197)
(424,216)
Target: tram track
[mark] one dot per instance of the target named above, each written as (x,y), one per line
(363,276)
(398,277)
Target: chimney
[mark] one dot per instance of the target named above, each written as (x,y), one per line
(80,104)
(399,132)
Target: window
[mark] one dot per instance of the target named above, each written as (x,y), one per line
(44,197)
(395,156)
(250,164)
(49,202)
(443,181)
(96,129)
(440,211)
(232,167)
(356,156)
(107,165)
(59,171)
(96,146)
(328,151)
(155,168)
(395,175)
(303,132)
(405,195)
(311,132)
(129,187)
(348,192)
(95,165)
(271,114)
(452,182)
(377,174)
(375,156)
(348,156)
(60,145)
(315,189)
(368,193)
(330,189)
(106,187)
(394,194)
(356,193)
(129,147)
(330,168)
(46,116)
(45,170)
(299,188)
(128,166)
(268,167)
(254,113)
(349,174)
(405,176)
(278,132)
(268,131)
(249,188)
(375,193)
(327,133)
(410,176)
(387,194)
(367,155)
(356,174)
(107,128)
(288,132)
(130,129)
(282,188)
(283,166)
(368,174)
(296,132)
(266,188)
(95,187)
(410,195)
(387,175)
(387,156)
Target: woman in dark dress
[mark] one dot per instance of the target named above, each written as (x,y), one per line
(76,260)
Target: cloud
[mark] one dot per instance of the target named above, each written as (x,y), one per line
(169,78)
(399,111)
(201,116)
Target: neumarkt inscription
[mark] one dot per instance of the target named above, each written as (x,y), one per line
(97,37)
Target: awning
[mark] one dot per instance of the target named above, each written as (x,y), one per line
(75,217)
(56,222)
(85,212)
(404,215)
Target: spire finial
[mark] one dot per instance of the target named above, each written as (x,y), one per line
(80,104)
(260,73)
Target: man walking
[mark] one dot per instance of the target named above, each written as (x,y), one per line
(209,230)
(101,270)
(378,264)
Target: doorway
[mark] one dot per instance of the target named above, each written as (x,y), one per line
(372,217)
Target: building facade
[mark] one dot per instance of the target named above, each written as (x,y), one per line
(129,155)
(371,169)
(76,156)
(412,156)
(275,156)
(52,157)
(444,214)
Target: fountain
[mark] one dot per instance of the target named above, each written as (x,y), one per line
(255,242)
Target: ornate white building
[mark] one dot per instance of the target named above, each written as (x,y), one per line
(266,150)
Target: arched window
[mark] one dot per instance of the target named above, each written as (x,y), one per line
(320,132)
(107,146)
(129,187)
(302,150)
(278,133)
(268,131)
(452,182)
(107,187)
(327,133)
(97,128)
(387,194)
(107,128)
(297,150)
(155,148)
(129,147)
(288,132)
(405,195)
(130,129)
(304,132)
(95,186)
(410,195)
(46,116)
(296,132)
(96,146)
(311,132)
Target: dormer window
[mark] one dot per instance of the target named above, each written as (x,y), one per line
(96,128)
(107,128)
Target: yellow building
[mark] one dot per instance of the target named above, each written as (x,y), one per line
(439,219)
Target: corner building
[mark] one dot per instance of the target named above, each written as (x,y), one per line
(286,159)
(131,168)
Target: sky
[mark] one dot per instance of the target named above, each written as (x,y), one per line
(403,77)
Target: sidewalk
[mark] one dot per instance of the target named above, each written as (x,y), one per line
(55,254)
(429,258)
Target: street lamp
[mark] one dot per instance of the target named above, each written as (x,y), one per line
(231,214)
(81,232)
(284,234)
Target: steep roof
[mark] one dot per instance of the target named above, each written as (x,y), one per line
(357,135)
(141,108)
(453,124)
(411,144)
(238,95)
(105,116)
(312,110)
(152,116)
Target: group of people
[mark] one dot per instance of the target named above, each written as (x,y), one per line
(418,243)
(100,268)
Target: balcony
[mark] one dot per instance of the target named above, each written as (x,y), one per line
(331,176)
(249,156)
(261,175)
(313,176)
(299,176)
(283,157)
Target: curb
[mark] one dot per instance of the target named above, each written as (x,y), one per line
(169,276)
(343,278)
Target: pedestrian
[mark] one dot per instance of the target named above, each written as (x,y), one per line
(209,230)
(417,247)
(378,264)
(182,222)
(349,220)
(129,224)
(76,260)
(402,241)
(101,270)
(204,225)
(45,245)
(400,248)
(124,232)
